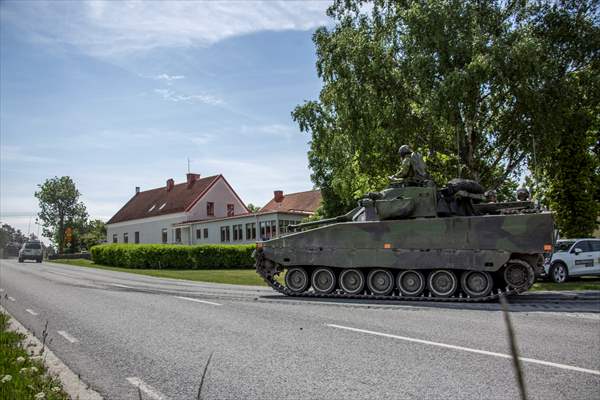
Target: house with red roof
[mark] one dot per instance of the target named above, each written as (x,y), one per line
(205,210)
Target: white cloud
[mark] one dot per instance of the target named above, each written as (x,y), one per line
(171,95)
(112,28)
(168,79)
(20,154)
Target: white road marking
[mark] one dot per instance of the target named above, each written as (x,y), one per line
(198,301)
(11,298)
(30,311)
(1,289)
(470,350)
(147,389)
(67,336)
(121,286)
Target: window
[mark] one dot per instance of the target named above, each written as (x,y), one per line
(595,245)
(164,235)
(125,237)
(178,235)
(283,225)
(230,210)
(205,233)
(136,237)
(583,245)
(115,240)
(225,234)
(198,233)
(251,231)
(273,224)
(268,229)
(238,233)
(210,209)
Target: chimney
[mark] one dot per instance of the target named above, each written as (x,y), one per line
(191,178)
(137,190)
(278,196)
(170,184)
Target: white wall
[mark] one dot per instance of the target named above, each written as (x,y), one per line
(150,229)
(221,195)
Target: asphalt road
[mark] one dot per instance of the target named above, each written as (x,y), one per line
(120,330)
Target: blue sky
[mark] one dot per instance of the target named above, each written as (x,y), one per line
(120,94)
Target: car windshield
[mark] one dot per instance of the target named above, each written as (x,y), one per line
(35,246)
(563,246)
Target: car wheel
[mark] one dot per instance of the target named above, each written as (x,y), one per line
(559,273)
(39,260)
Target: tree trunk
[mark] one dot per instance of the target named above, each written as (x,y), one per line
(61,235)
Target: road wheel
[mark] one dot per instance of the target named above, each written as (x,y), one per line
(559,272)
(476,283)
(39,260)
(518,275)
(410,283)
(20,260)
(352,281)
(442,283)
(380,282)
(323,280)
(296,279)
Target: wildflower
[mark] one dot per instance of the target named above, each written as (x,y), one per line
(6,378)
(40,396)
(20,360)
(55,389)
(33,370)
(23,371)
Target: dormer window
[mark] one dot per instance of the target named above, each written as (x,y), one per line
(163,206)
(152,208)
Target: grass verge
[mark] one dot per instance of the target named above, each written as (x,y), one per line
(231,276)
(250,277)
(580,283)
(21,376)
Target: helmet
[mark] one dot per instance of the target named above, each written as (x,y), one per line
(404,150)
(522,194)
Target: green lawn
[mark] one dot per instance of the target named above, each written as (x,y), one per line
(583,283)
(22,377)
(231,276)
(250,277)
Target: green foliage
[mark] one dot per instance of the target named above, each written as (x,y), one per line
(482,89)
(60,208)
(22,377)
(252,208)
(93,233)
(11,240)
(165,256)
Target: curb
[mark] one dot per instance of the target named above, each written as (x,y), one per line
(72,385)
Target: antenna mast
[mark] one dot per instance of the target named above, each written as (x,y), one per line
(188,159)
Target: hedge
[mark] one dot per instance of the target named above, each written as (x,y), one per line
(167,256)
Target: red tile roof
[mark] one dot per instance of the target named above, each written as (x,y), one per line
(176,200)
(302,201)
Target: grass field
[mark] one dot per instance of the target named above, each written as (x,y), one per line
(249,276)
(22,377)
(231,276)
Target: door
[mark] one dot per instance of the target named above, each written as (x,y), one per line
(583,261)
(595,247)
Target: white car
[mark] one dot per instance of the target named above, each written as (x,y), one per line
(31,251)
(574,257)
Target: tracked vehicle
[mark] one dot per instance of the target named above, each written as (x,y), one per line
(413,243)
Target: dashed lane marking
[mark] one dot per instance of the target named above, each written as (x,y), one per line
(121,286)
(198,301)
(11,298)
(30,311)
(470,350)
(146,389)
(68,337)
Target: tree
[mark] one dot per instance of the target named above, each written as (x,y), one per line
(252,208)
(93,233)
(11,240)
(474,86)
(60,209)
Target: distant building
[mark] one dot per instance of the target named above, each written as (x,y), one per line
(205,210)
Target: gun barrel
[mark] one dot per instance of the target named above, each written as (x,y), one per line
(340,218)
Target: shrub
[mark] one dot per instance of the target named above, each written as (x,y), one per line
(167,256)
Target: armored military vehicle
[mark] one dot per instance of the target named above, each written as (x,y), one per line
(414,243)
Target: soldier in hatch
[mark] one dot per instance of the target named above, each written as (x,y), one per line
(412,169)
